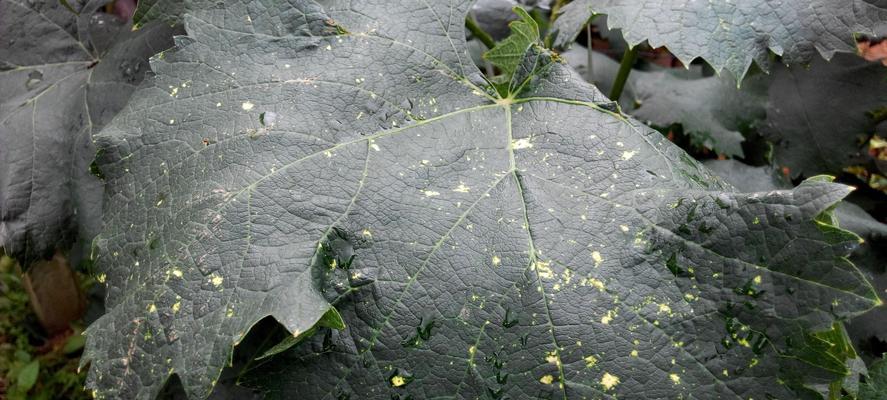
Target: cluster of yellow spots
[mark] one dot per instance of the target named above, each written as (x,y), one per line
(597,258)
(216,280)
(609,381)
(665,309)
(543,268)
(546,379)
(590,361)
(608,317)
(597,283)
(176,272)
(101,278)
(552,357)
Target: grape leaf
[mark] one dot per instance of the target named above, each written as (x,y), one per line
(869,256)
(731,34)
(494,15)
(712,110)
(350,160)
(875,387)
(63,77)
(168,11)
(818,118)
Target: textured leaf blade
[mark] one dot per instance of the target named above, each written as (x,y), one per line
(510,52)
(62,80)
(732,34)
(169,11)
(818,118)
(516,246)
(712,110)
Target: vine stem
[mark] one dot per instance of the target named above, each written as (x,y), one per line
(479,33)
(628,59)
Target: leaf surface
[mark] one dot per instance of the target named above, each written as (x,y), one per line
(712,110)
(63,77)
(732,34)
(352,156)
(819,118)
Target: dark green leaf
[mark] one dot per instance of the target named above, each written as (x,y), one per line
(474,245)
(875,387)
(712,110)
(168,11)
(731,34)
(62,76)
(819,118)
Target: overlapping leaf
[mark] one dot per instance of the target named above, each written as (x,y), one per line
(290,157)
(819,118)
(62,76)
(712,110)
(731,34)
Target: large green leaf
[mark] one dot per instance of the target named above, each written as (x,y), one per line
(287,158)
(731,34)
(819,118)
(63,76)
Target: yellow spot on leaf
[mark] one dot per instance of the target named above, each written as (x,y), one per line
(462,188)
(497,260)
(608,381)
(398,381)
(217,280)
(551,357)
(596,256)
(675,378)
(547,379)
(246,106)
(597,284)
(543,268)
(590,361)
(521,144)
